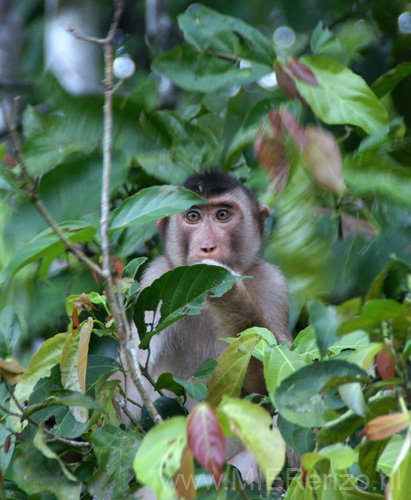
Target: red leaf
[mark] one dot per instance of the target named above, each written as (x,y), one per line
(74,318)
(384,427)
(302,72)
(7,443)
(269,148)
(286,82)
(118,266)
(93,273)
(206,440)
(8,159)
(385,364)
(293,127)
(304,473)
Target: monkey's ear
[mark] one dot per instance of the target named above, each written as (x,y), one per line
(264,211)
(161,226)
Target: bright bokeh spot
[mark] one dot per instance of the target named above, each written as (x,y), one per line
(284,37)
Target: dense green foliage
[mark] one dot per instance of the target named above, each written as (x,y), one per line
(328,149)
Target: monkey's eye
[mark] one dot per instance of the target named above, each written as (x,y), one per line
(223,214)
(192,216)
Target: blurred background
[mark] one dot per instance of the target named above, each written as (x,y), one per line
(329,249)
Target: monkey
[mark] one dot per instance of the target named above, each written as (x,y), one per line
(227,231)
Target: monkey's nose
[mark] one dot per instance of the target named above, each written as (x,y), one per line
(208,250)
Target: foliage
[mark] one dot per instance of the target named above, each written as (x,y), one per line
(334,153)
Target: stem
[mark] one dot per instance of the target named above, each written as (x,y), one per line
(117,306)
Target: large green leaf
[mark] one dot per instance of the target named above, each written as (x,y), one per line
(279,363)
(387,82)
(299,398)
(342,96)
(178,293)
(299,438)
(209,31)
(115,450)
(325,323)
(159,456)
(228,377)
(371,173)
(47,245)
(35,473)
(151,204)
(205,73)
(253,425)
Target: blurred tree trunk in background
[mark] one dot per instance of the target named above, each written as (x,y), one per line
(75,63)
(11,36)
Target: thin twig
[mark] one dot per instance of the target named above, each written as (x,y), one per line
(117,306)
(71,442)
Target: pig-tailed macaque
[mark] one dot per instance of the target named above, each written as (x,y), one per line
(228,231)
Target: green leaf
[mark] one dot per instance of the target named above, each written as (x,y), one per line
(205,73)
(374,173)
(299,438)
(41,409)
(115,450)
(195,390)
(152,204)
(339,429)
(40,443)
(389,457)
(9,331)
(369,455)
(40,366)
(45,145)
(252,424)
(374,312)
(47,245)
(132,267)
(399,485)
(342,96)
(387,82)
(159,456)
(279,363)
(353,397)
(325,322)
(209,31)
(206,369)
(306,343)
(341,456)
(34,473)
(232,365)
(299,398)
(178,293)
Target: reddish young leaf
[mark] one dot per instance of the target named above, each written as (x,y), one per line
(385,364)
(83,303)
(384,427)
(295,130)
(93,273)
(304,476)
(302,72)
(206,440)
(323,157)
(7,443)
(286,82)
(8,159)
(184,483)
(74,318)
(117,265)
(269,148)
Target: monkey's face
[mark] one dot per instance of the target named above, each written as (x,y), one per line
(223,230)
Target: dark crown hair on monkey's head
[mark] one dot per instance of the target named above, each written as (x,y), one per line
(214,182)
